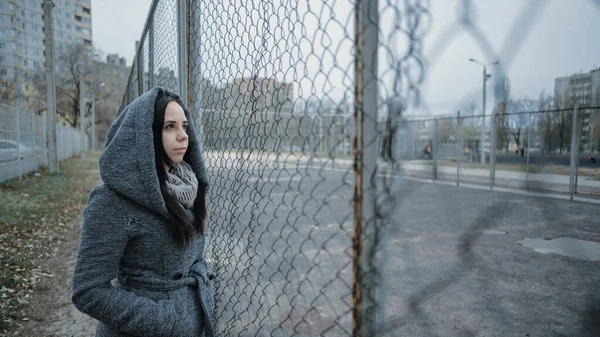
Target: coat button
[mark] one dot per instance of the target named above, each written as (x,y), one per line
(178,276)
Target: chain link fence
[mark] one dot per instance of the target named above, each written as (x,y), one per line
(533,151)
(23,142)
(300,109)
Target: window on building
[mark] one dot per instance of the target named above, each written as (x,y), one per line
(87,21)
(36,64)
(78,18)
(23,25)
(2,71)
(68,15)
(22,12)
(25,63)
(87,11)
(2,58)
(4,84)
(68,26)
(70,38)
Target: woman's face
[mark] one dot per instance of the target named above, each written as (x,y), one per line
(174,132)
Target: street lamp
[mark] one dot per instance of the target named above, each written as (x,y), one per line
(486,76)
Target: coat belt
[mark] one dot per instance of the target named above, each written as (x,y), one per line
(200,276)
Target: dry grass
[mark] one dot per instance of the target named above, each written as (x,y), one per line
(36,215)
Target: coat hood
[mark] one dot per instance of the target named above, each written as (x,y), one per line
(127,164)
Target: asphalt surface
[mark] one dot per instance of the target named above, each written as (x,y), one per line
(280,240)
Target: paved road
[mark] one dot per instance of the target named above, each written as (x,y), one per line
(281,243)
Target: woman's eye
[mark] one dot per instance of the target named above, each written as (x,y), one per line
(170,126)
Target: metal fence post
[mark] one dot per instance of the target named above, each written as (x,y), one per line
(33,141)
(492,150)
(18,114)
(182,22)
(435,148)
(365,310)
(81,110)
(150,38)
(528,147)
(45,145)
(459,145)
(574,155)
(140,67)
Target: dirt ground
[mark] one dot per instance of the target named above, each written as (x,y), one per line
(52,314)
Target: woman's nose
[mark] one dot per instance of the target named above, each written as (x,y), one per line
(183,134)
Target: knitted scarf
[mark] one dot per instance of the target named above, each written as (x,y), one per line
(182,184)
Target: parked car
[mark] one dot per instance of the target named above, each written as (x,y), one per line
(8,150)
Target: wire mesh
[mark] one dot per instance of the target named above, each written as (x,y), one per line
(301,108)
(22,142)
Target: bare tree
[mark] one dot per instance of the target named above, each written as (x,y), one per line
(562,121)
(501,98)
(471,124)
(73,66)
(518,119)
(544,122)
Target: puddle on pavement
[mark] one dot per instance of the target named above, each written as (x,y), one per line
(579,249)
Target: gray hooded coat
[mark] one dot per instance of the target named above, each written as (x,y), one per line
(162,288)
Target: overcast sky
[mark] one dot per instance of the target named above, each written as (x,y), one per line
(558,38)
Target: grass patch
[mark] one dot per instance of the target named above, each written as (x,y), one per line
(37,214)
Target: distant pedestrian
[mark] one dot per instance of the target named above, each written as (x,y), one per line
(522,152)
(427,151)
(592,159)
(144,226)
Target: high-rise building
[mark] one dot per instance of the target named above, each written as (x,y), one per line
(114,59)
(584,90)
(22,40)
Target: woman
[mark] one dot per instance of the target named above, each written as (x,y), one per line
(144,226)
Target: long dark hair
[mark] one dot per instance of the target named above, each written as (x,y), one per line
(180,225)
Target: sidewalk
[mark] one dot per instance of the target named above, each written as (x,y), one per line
(501,174)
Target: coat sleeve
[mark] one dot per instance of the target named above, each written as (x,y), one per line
(104,236)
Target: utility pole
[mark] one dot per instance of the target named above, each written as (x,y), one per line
(93,115)
(486,76)
(482,136)
(51,145)
(81,109)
